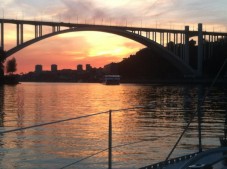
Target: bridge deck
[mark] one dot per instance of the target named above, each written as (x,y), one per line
(216,158)
(70,25)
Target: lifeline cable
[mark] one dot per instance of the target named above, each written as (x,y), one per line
(117,146)
(53,122)
(64,120)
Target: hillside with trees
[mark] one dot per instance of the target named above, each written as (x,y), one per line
(146,64)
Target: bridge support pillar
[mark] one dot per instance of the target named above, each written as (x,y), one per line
(40,30)
(209,47)
(20,34)
(186,47)
(2,36)
(148,35)
(181,46)
(53,29)
(36,31)
(58,28)
(175,44)
(200,50)
(155,36)
(162,41)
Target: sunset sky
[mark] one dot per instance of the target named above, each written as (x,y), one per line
(95,48)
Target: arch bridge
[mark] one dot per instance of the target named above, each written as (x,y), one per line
(155,38)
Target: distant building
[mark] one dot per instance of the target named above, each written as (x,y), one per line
(54,68)
(38,68)
(80,68)
(88,67)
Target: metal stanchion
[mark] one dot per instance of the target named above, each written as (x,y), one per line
(110,141)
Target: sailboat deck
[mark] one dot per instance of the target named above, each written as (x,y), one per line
(217,158)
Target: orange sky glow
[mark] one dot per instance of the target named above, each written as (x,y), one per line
(69,50)
(96,48)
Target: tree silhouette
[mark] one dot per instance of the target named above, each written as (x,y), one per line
(11,66)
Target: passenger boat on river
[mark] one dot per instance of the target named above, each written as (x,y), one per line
(111,79)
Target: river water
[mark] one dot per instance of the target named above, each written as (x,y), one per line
(155,127)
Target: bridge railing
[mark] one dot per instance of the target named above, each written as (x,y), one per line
(110,147)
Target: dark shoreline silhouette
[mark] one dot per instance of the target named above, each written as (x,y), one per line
(11,79)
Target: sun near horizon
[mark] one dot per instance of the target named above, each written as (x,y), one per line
(70,49)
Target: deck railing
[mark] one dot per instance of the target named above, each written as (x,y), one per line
(110,147)
(160,165)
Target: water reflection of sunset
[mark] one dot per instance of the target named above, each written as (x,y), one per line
(157,125)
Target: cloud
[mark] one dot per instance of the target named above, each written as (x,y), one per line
(84,9)
(148,11)
(119,11)
(105,11)
(32,9)
(6,3)
(193,11)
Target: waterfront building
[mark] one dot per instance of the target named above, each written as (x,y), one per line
(80,68)
(38,68)
(88,68)
(54,68)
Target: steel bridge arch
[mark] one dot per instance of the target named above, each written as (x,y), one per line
(172,58)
